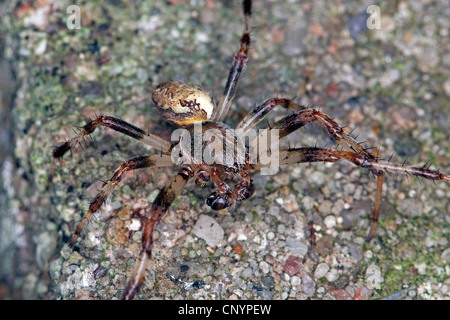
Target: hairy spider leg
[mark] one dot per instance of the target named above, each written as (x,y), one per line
(108,188)
(293,122)
(259,112)
(159,207)
(299,155)
(117,125)
(239,62)
(301,117)
(357,154)
(313,154)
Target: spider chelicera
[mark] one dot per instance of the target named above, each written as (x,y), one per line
(188,107)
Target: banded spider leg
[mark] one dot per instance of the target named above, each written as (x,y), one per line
(132,164)
(354,152)
(119,126)
(239,62)
(159,207)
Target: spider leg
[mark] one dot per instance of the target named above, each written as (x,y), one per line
(117,125)
(159,207)
(108,188)
(291,123)
(299,119)
(312,154)
(362,157)
(244,189)
(377,205)
(239,62)
(318,154)
(260,111)
(356,153)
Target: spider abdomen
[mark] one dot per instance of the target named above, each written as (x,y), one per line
(181,104)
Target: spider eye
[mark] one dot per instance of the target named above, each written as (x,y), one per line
(182,105)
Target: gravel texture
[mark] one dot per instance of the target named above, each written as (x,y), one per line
(390,84)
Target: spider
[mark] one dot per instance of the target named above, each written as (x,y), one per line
(190,108)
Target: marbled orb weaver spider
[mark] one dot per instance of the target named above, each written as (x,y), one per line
(186,106)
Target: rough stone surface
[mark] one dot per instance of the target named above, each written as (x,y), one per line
(390,85)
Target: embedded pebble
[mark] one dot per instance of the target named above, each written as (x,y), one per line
(41,47)
(264,294)
(421,267)
(330,221)
(357,25)
(324,245)
(333,275)
(296,281)
(281,228)
(292,265)
(355,251)
(341,294)
(410,207)
(308,202)
(268,281)
(309,286)
(359,209)
(274,210)
(265,267)
(248,217)
(99,272)
(297,246)
(325,207)
(135,225)
(321,270)
(445,255)
(446,87)
(209,230)
(317,178)
(247,272)
(389,77)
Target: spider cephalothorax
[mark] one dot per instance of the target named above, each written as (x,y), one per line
(211,148)
(203,147)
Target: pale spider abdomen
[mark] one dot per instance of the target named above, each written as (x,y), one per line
(181,104)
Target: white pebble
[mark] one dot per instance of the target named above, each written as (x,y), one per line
(447,87)
(296,281)
(135,225)
(209,230)
(333,275)
(330,221)
(321,270)
(264,266)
